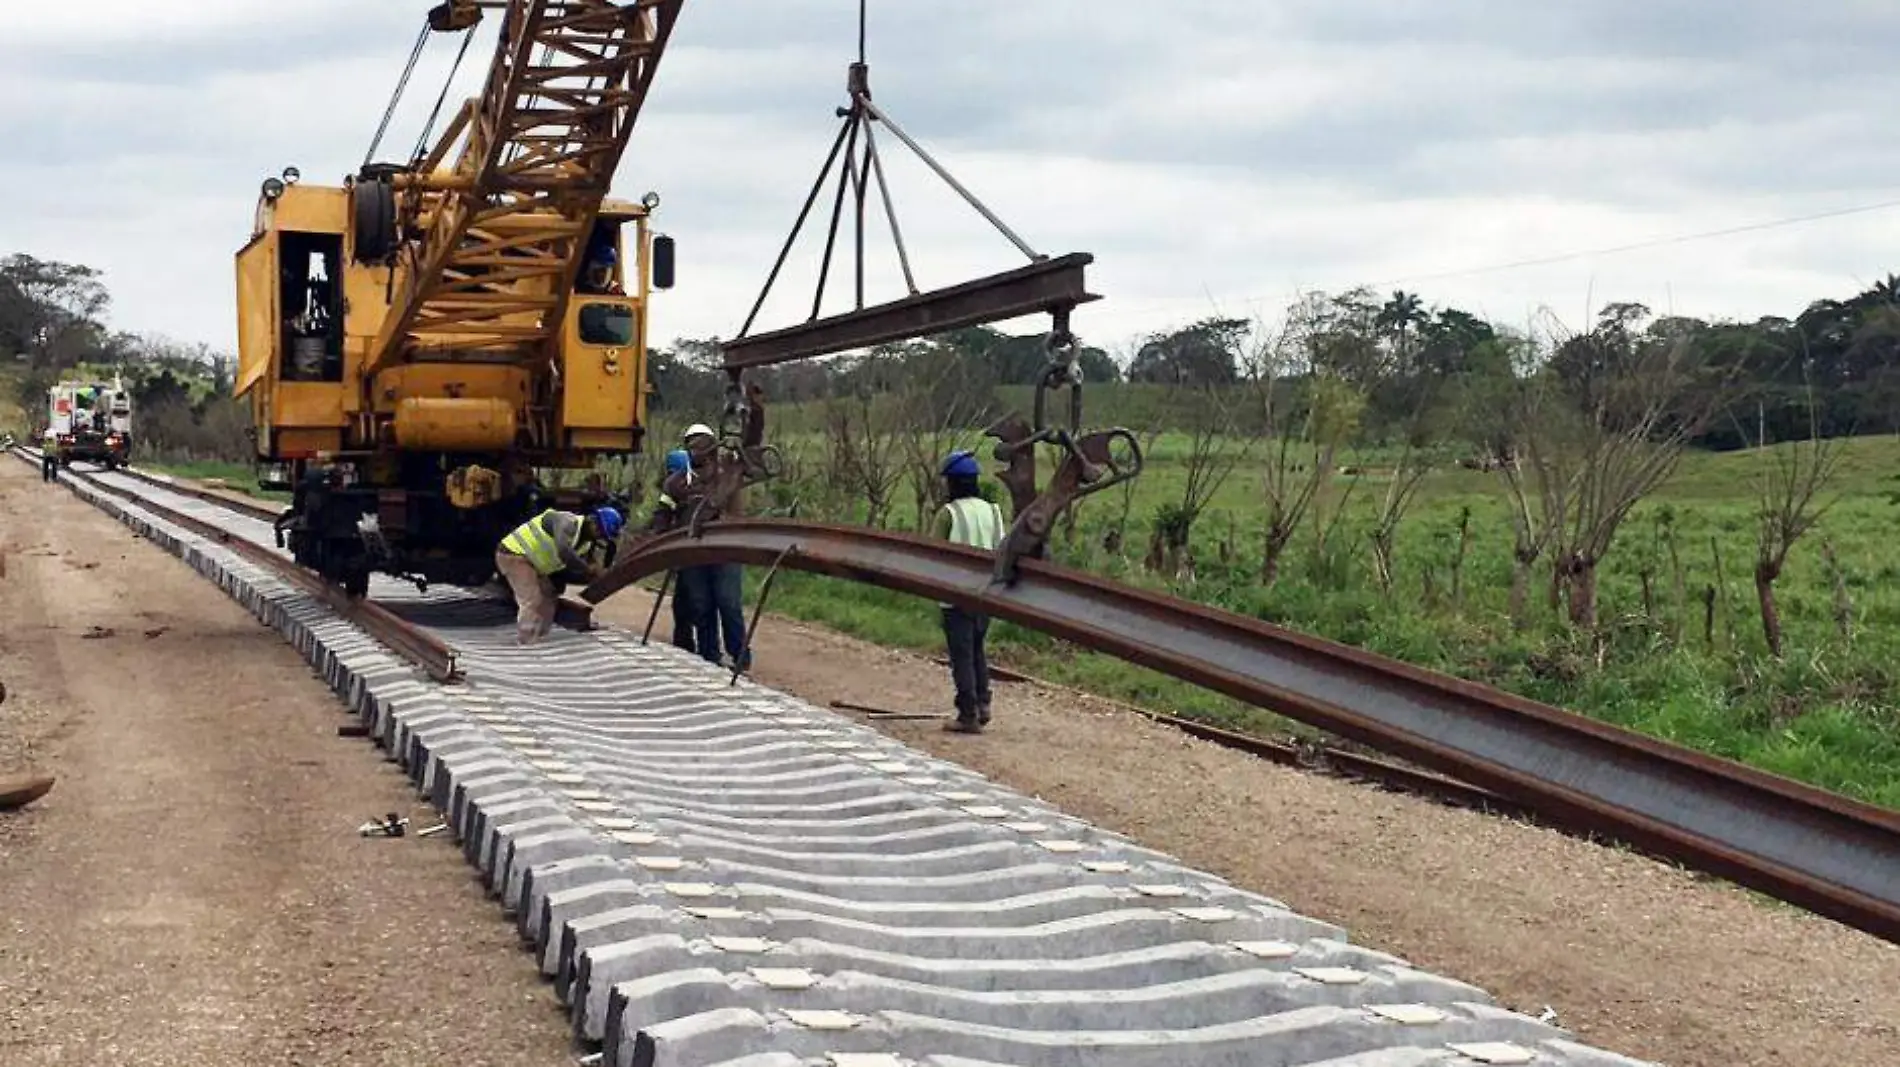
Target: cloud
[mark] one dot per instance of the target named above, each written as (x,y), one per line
(1213,156)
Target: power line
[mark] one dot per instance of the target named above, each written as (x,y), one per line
(1658,242)
(1563,257)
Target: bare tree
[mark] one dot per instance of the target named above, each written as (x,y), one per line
(939,409)
(863,460)
(1792,478)
(1301,447)
(1415,463)
(1616,412)
(1205,415)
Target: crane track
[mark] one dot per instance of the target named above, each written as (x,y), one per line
(718,874)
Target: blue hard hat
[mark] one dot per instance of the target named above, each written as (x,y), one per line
(602,256)
(961,465)
(609,521)
(677,461)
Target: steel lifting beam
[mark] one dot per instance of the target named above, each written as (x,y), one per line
(1830,854)
(1044,286)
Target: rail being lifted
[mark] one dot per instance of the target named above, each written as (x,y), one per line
(1832,855)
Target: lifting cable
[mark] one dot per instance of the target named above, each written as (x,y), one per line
(402,84)
(422,140)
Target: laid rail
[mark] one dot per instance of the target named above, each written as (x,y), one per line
(1835,856)
(414,644)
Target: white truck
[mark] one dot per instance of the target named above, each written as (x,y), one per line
(90,421)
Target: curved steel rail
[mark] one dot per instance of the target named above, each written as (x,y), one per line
(1833,855)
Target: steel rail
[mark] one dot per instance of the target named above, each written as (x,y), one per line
(1830,854)
(568,612)
(426,651)
(249,509)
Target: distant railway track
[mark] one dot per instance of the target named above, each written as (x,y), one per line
(716,875)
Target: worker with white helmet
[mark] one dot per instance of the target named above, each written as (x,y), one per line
(723,583)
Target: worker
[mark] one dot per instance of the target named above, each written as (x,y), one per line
(691,601)
(967,519)
(49,456)
(545,545)
(598,275)
(723,583)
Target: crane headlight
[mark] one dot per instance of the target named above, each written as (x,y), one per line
(292,175)
(273,188)
(651,201)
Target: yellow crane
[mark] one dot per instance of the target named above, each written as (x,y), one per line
(419,340)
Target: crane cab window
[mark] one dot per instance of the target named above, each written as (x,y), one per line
(601,271)
(310,299)
(606,323)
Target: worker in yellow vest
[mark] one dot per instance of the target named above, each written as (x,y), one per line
(542,547)
(967,519)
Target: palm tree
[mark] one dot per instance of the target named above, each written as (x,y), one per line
(1399,315)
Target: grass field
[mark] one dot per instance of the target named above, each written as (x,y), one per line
(1828,712)
(1825,713)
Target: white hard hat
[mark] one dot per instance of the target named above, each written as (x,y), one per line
(695,430)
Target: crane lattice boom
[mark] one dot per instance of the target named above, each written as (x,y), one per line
(501,231)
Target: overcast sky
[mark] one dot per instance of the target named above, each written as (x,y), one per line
(1214,155)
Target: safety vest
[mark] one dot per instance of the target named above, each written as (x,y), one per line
(975,521)
(532,541)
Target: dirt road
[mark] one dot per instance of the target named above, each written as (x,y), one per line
(193,891)
(1634,956)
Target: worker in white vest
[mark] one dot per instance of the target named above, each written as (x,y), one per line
(967,519)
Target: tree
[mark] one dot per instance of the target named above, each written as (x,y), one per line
(1201,354)
(1213,452)
(1792,477)
(1301,445)
(1619,410)
(1399,317)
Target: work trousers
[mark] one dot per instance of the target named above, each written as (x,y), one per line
(728,582)
(709,604)
(49,468)
(534,596)
(963,636)
(688,601)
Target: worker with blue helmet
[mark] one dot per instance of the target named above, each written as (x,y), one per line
(966,518)
(552,543)
(597,274)
(692,591)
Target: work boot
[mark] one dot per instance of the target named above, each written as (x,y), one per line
(963,724)
(982,714)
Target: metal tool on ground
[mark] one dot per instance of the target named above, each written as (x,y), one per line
(876,714)
(392,825)
(1831,854)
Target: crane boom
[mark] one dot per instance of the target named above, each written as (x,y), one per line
(500,233)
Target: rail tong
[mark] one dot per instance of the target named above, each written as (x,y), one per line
(1088,464)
